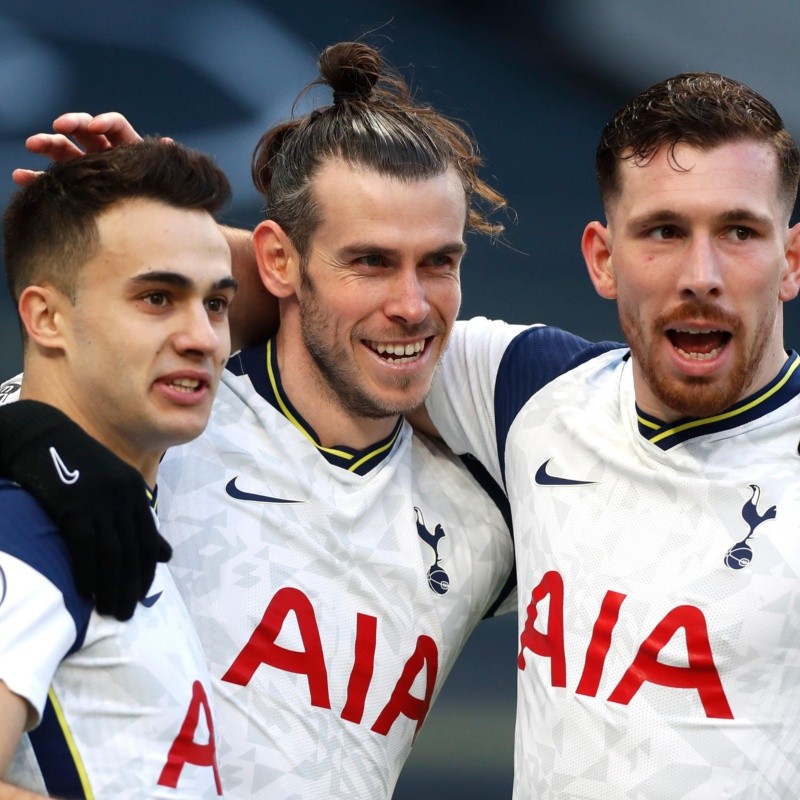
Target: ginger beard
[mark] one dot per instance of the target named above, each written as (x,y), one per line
(690,395)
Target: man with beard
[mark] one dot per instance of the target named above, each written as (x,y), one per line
(333,561)
(655,489)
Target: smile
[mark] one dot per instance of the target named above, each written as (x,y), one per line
(401,351)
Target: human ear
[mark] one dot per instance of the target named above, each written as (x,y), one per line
(596,249)
(790,280)
(278,260)
(43,312)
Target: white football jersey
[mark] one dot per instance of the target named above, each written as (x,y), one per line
(121,709)
(658,570)
(332,589)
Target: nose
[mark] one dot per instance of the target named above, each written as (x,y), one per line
(196,334)
(408,301)
(701,271)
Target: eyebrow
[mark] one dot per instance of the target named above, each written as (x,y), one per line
(663,215)
(180,281)
(356,249)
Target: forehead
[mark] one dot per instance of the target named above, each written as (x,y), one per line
(356,202)
(137,236)
(742,174)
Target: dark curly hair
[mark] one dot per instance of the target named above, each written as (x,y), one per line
(702,109)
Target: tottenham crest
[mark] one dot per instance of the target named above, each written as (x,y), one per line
(741,554)
(438,579)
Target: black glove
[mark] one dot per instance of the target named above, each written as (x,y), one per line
(98,502)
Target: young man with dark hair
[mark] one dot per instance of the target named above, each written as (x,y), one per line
(122,281)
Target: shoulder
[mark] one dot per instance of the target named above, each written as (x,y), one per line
(22,518)
(541,353)
(29,535)
(534,353)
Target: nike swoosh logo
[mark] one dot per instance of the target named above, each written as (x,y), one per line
(149,602)
(544,478)
(234,491)
(68,476)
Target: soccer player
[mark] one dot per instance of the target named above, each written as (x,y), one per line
(122,280)
(333,561)
(655,488)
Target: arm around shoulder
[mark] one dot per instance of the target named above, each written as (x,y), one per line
(254,311)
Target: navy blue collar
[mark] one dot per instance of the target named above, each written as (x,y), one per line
(782,388)
(260,364)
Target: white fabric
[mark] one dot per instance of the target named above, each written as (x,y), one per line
(344,572)
(122,699)
(679,565)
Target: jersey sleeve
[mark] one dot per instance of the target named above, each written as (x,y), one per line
(42,617)
(488,373)
(461,400)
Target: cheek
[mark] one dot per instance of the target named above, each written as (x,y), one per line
(447,300)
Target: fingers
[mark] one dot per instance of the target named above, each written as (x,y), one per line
(54,146)
(115,127)
(111,596)
(96,133)
(81,538)
(22,177)
(164,550)
(131,585)
(142,546)
(78,125)
(77,133)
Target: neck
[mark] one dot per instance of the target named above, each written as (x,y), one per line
(320,406)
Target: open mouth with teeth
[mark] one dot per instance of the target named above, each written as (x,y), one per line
(186,385)
(698,345)
(400,351)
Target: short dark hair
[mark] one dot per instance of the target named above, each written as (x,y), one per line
(49,227)
(701,109)
(375,123)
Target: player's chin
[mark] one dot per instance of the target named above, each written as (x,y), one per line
(187,425)
(399,402)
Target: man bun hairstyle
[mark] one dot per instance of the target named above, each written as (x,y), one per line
(373,123)
(701,109)
(352,72)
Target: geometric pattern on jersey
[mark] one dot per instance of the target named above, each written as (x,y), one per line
(312,590)
(659,581)
(114,701)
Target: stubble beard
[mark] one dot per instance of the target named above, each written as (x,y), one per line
(691,396)
(338,375)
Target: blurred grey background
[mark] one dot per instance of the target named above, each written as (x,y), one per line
(535,81)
